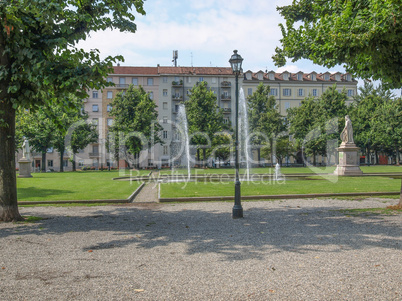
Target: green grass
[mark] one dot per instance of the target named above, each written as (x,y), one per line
(309,185)
(284,170)
(370,211)
(74,186)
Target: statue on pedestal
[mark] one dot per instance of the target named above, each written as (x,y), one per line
(25,149)
(347,133)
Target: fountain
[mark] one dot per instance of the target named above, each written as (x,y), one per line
(243,132)
(278,174)
(182,119)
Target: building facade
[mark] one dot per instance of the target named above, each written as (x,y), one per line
(170,86)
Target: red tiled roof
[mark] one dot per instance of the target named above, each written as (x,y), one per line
(196,70)
(135,70)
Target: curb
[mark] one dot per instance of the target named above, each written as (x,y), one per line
(275,197)
(135,193)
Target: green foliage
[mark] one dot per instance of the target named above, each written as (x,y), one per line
(318,121)
(203,115)
(135,117)
(362,34)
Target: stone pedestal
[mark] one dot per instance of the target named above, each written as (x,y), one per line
(25,168)
(349,162)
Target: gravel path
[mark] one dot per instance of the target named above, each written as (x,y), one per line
(281,250)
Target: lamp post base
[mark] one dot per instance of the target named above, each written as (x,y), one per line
(237,211)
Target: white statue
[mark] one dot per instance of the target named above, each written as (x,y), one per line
(25,149)
(347,133)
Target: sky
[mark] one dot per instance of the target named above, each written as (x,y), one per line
(205,33)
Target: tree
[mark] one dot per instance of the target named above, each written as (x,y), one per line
(264,118)
(135,116)
(38,127)
(203,116)
(364,35)
(362,113)
(39,62)
(318,121)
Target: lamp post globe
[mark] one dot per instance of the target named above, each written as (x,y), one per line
(236,62)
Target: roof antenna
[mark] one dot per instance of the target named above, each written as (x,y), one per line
(191,59)
(175,56)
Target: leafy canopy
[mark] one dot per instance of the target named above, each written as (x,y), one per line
(364,35)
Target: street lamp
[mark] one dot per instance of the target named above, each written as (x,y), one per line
(235,62)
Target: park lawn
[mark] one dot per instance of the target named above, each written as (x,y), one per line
(69,186)
(285,170)
(307,186)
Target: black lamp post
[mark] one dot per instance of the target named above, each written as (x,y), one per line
(236,61)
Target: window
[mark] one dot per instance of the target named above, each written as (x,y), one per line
(150,162)
(49,163)
(165,150)
(109,94)
(225,120)
(151,95)
(201,79)
(134,81)
(188,80)
(350,92)
(95,149)
(165,79)
(273,91)
(249,91)
(150,81)
(164,119)
(300,92)
(95,121)
(348,77)
(95,108)
(165,91)
(299,76)
(80,163)
(287,92)
(122,80)
(337,77)
(315,92)
(65,163)
(110,121)
(287,105)
(108,108)
(165,105)
(109,79)
(176,79)
(165,134)
(214,80)
(94,94)
(285,76)
(271,76)
(259,76)
(326,76)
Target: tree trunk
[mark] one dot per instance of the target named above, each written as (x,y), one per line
(8,179)
(74,167)
(314,159)
(198,156)
(397,156)
(259,156)
(271,145)
(43,168)
(61,161)
(204,163)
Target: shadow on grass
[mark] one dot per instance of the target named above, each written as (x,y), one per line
(262,231)
(34,193)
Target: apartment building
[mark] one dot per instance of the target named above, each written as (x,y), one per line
(170,86)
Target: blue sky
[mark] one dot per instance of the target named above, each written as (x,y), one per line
(205,33)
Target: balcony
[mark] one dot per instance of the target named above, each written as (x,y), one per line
(177,97)
(226,84)
(226,97)
(94,155)
(227,110)
(177,84)
(122,86)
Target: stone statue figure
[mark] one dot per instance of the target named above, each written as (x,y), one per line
(347,133)
(25,149)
